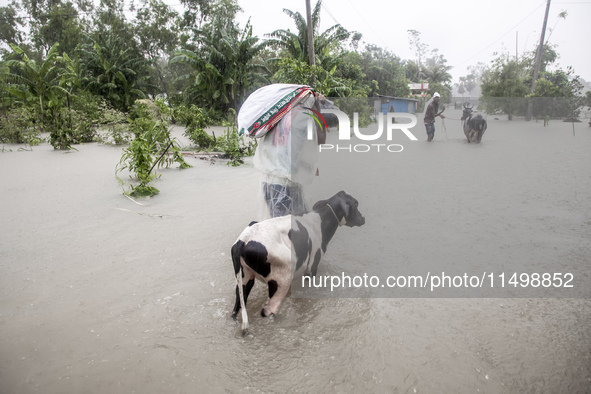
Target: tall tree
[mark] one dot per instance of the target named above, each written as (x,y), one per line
(157,27)
(420,50)
(51,21)
(437,74)
(223,68)
(507,82)
(110,17)
(502,83)
(61,24)
(384,72)
(10,27)
(471,82)
(295,44)
(196,12)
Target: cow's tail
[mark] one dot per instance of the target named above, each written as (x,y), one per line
(238,271)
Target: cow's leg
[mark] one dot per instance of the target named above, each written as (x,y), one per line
(244,283)
(272,287)
(317,258)
(246,291)
(278,290)
(481,133)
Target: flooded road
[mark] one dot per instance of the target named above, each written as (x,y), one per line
(100,294)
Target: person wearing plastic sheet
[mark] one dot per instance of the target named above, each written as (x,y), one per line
(288,159)
(430,115)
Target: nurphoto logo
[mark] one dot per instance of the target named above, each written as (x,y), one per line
(345,131)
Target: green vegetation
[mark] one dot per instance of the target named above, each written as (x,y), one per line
(81,57)
(507,81)
(233,145)
(148,149)
(75,72)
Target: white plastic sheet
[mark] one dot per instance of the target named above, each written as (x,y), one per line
(288,162)
(266,106)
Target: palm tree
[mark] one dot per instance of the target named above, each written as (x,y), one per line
(296,44)
(437,74)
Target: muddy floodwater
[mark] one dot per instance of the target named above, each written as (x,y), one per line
(102,294)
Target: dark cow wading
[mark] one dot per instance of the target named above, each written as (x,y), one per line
(474,125)
(264,250)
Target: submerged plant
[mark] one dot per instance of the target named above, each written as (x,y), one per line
(233,145)
(137,159)
(195,121)
(146,153)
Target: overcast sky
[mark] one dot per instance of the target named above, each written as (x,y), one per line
(465,32)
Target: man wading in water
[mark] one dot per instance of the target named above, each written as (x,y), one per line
(430,115)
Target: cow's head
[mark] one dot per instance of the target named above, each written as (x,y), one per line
(346,209)
(467,111)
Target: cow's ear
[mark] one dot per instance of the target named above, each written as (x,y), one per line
(319,204)
(344,206)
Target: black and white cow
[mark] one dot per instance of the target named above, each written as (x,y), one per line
(264,249)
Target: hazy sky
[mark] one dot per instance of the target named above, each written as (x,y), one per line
(465,32)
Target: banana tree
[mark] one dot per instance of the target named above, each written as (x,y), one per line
(205,83)
(6,99)
(33,83)
(114,72)
(223,69)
